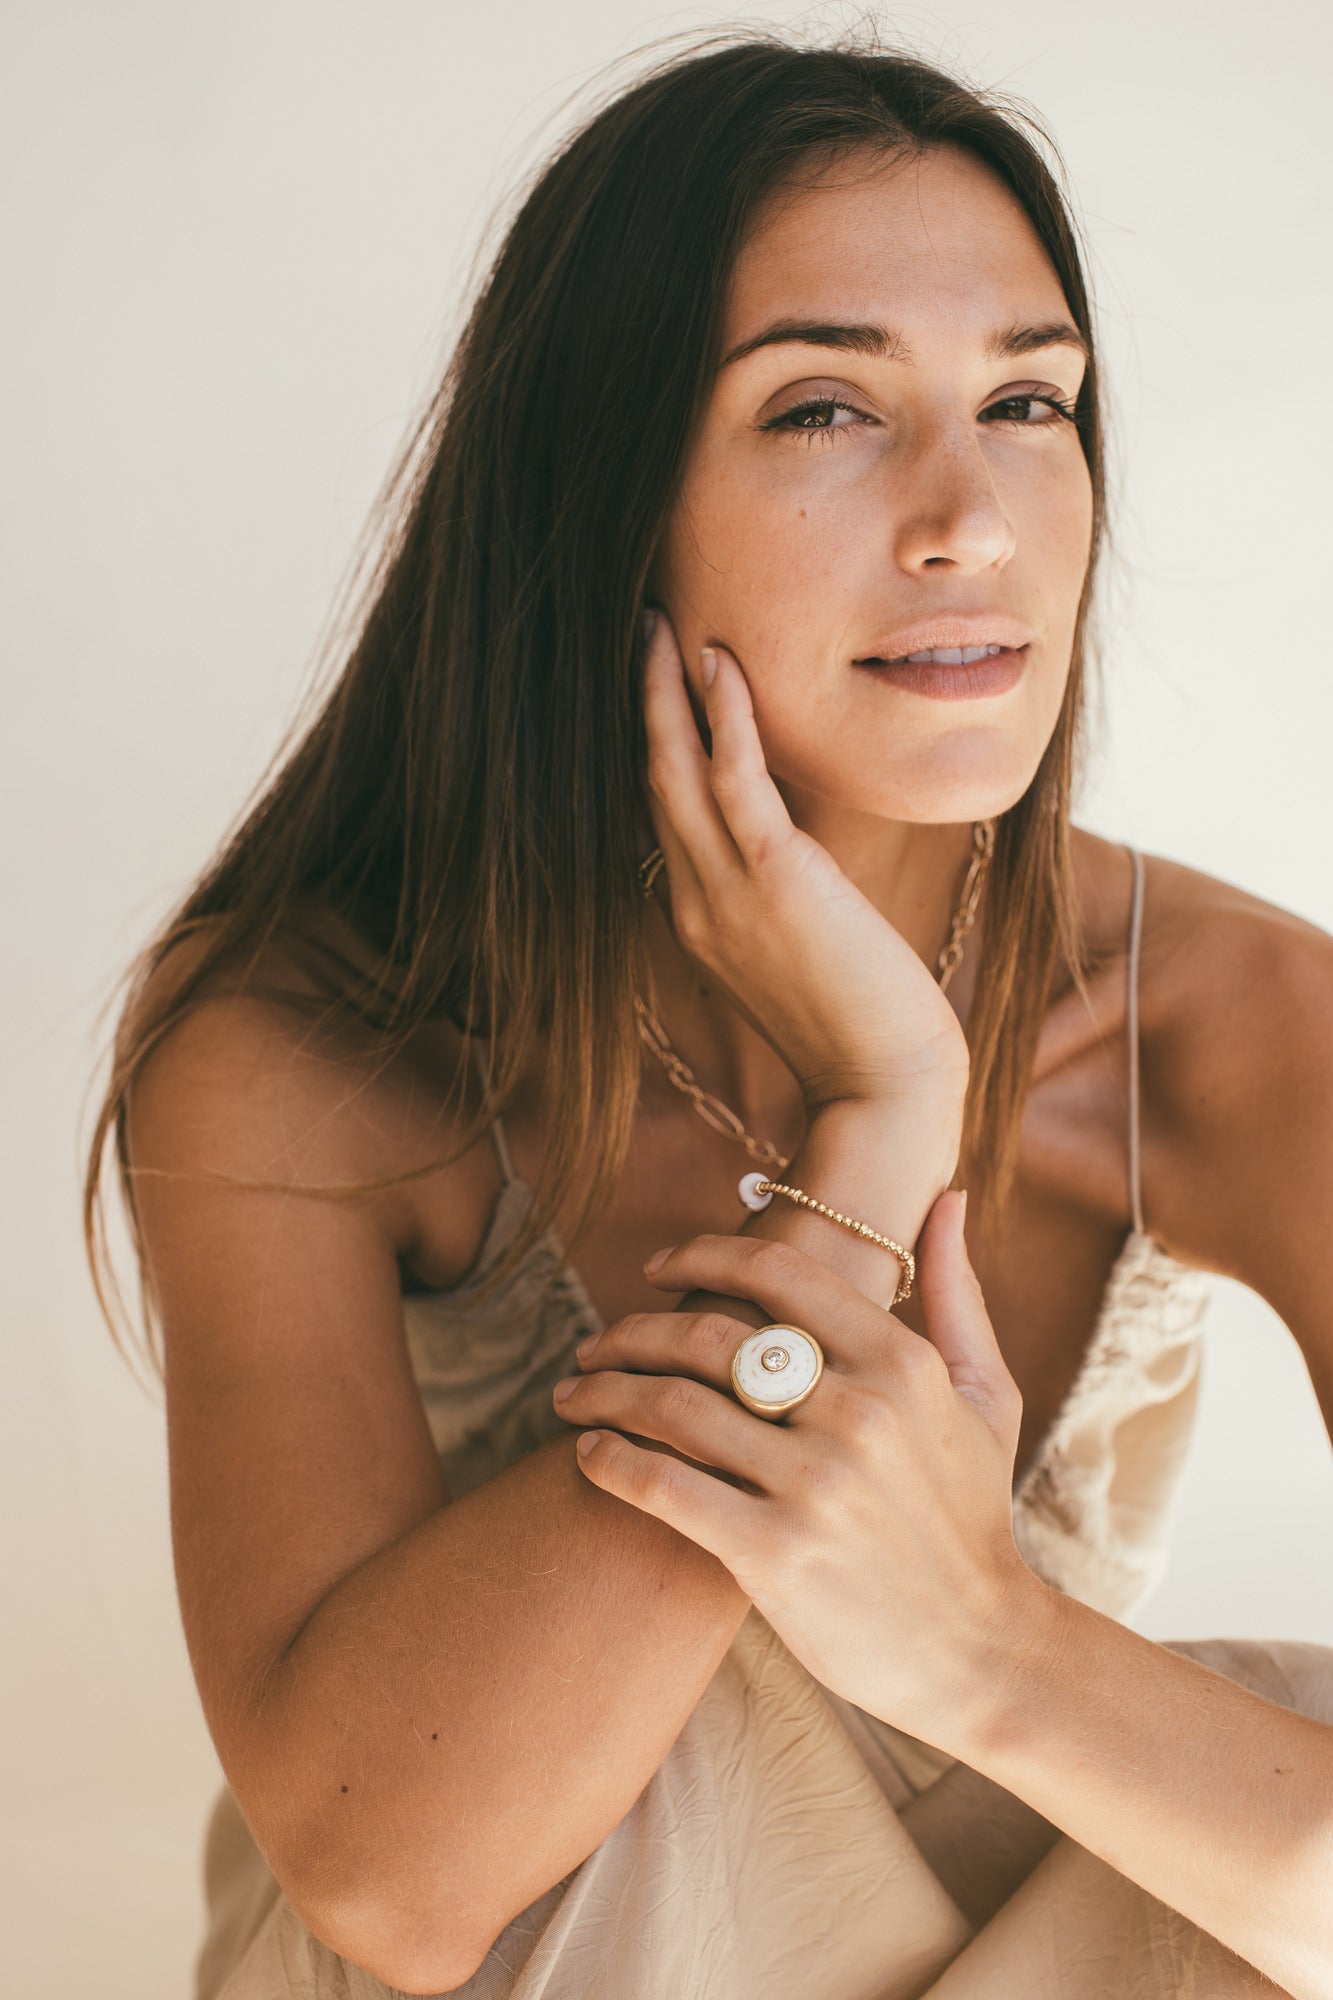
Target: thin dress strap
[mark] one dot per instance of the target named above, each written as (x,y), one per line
(481,1057)
(1132,1035)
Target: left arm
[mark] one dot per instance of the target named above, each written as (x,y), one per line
(872,1528)
(1211,1798)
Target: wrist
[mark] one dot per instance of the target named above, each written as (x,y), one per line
(884,1162)
(936,1078)
(923,1126)
(1014,1654)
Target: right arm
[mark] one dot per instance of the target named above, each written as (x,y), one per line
(429,1711)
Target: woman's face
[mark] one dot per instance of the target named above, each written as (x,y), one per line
(845,487)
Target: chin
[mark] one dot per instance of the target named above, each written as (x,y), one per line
(951,784)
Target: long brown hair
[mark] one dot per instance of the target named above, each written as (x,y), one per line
(466,798)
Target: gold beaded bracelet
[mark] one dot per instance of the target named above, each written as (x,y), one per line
(756,1192)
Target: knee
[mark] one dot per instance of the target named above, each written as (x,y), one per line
(1294,1673)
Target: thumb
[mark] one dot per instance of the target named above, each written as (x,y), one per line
(957,1323)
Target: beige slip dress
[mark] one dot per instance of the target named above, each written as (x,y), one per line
(791,1846)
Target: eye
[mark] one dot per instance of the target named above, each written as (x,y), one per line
(1032,409)
(813,419)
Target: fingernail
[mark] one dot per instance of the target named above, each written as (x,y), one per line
(658,1258)
(586,1346)
(647,625)
(708,665)
(562,1389)
(587,1441)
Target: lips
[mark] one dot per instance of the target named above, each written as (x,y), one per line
(951,673)
(951,639)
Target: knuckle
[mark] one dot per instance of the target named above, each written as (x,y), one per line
(767,860)
(659,1476)
(674,1396)
(865,1420)
(1001,1387)
(916,1359)
(780,1263)
(715,1336)
(1008,1402)
(692,925)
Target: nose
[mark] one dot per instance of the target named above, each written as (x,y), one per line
(949,513)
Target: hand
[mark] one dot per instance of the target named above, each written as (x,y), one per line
(872,1528)
(804,955)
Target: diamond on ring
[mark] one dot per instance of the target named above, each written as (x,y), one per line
(774,1358)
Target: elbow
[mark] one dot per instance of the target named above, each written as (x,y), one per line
(428,1957)
(368,1885)
(431,1970)
(384,1931)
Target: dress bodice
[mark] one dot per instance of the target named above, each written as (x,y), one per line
(1090,1514)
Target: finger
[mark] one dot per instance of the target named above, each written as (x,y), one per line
(679,767)
(679,877)
(854,1332)
(705,1510)
(751,803)
(687,1415)
(674,1343)
(958,1325)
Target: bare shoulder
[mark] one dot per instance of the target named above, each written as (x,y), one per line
(260,1081)
(1236,1006)
(1236,993)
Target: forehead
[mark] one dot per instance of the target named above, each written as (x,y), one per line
(929,237)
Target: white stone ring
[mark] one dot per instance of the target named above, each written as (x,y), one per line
(775,1368)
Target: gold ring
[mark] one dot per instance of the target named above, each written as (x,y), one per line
(775,1368)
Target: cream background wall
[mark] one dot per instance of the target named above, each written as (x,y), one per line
(237,237)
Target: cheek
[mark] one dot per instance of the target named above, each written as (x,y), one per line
(764,559)
(1052,515)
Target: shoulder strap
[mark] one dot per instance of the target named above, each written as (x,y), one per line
(1132,1036)
(482,1060)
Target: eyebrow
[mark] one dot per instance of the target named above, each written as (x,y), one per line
(883,344)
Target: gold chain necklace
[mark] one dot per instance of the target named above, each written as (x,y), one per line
(719,1115)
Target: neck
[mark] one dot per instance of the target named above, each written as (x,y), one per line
(911,873)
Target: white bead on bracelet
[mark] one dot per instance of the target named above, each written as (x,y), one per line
(756,1191)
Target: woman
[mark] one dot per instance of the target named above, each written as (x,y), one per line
(793,1680)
